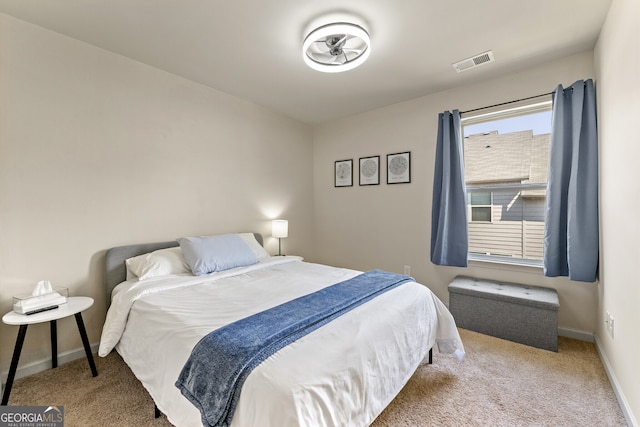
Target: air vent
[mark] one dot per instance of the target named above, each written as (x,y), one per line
(474,61)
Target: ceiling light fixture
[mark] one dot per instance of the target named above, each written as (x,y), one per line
(338,47)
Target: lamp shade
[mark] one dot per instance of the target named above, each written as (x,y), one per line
(279,228)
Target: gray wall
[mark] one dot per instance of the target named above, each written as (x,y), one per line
(97,150)
(388,226)
(618,67)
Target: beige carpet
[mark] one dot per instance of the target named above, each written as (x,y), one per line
(499,383)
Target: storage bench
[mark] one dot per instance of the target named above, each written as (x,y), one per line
(520,313)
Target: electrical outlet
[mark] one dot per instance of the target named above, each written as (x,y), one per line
(611,326)
(407,270)
(609,321)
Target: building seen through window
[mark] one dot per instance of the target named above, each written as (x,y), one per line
(506,158)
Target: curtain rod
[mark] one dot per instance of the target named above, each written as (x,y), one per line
(507,103)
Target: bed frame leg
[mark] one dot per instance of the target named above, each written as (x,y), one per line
(431,357)
(156,411)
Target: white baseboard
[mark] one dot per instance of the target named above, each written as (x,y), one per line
(622,400)
(576,334)
(590,337)
(44,364)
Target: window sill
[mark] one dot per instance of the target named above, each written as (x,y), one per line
(501,260)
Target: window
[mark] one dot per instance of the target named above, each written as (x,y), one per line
(480,206)
(506,155)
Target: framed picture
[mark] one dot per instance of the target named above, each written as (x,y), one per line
(343,173)
(399,168)
(370,170)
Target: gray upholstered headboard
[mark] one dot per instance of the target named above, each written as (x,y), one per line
(115,269)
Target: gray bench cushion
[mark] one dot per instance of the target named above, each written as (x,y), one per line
(533,296)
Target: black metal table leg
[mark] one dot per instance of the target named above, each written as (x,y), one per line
(54,344)
(85,342)
(14,363)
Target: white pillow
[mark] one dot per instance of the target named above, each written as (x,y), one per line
(253,244)
(158,263)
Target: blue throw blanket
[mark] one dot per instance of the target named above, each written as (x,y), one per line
(213,376)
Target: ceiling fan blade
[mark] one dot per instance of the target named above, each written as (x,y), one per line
(335,60)
(322,57)
(318,48)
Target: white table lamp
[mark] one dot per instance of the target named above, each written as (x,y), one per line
(280,229)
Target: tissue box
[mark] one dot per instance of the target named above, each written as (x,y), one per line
(30,304)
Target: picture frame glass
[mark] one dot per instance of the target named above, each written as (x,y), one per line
(343,171)
(399,168)
(369,170)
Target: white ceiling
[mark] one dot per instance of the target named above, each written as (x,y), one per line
(253,48)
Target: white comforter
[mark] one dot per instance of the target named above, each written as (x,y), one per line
(343,374)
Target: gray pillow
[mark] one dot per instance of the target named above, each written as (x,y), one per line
(209,254)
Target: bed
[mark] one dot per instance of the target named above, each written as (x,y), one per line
(343,373)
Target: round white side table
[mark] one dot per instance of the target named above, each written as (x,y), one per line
(73,307)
